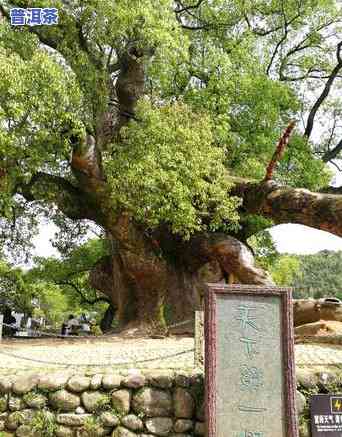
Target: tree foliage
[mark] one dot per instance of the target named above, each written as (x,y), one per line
(68,280)
(170,172)
(55,287)
(286,271)
(15,290)
(264,248)
(237,76)
(319,274)
(143,117)
(316,275)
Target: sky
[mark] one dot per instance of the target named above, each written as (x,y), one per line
(303,240)
(288,238)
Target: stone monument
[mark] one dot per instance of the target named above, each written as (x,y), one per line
(250,385)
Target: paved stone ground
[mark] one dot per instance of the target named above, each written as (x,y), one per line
(106,354)
(318,354)
(91,354)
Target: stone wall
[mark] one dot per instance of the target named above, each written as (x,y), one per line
(151,403)
(145,404)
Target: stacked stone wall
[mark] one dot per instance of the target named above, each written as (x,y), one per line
(138,403)
(145,404)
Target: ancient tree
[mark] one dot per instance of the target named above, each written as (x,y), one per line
(158,121)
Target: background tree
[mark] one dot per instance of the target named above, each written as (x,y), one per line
(264,249)
(317,275)
(287,271)
(55,288)
(15,290)
(63,286)
(156,121)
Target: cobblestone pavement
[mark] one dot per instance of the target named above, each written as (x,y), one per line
(169,353)
(318,354)
(118,352)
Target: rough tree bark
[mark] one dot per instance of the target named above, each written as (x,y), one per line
(149,282)
(292,205)
(151,290)
(153,283)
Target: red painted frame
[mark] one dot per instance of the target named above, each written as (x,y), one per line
(289,388)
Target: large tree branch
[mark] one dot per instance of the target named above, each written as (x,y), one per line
(275,51)
(286,27)
(81,294)
(309,311)
(291,205)
(233,257)
(325,92)
(283,141)
(304,44)
(69,199)
(129,86)
(86,163)
(331,154)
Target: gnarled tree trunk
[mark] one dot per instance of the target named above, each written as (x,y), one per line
(156,283)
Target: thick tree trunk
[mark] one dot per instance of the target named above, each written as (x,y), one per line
(155,280)
(160,281)
(149,294)
(160,284)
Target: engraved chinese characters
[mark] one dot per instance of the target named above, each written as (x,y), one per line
(249,370)
(250,341)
